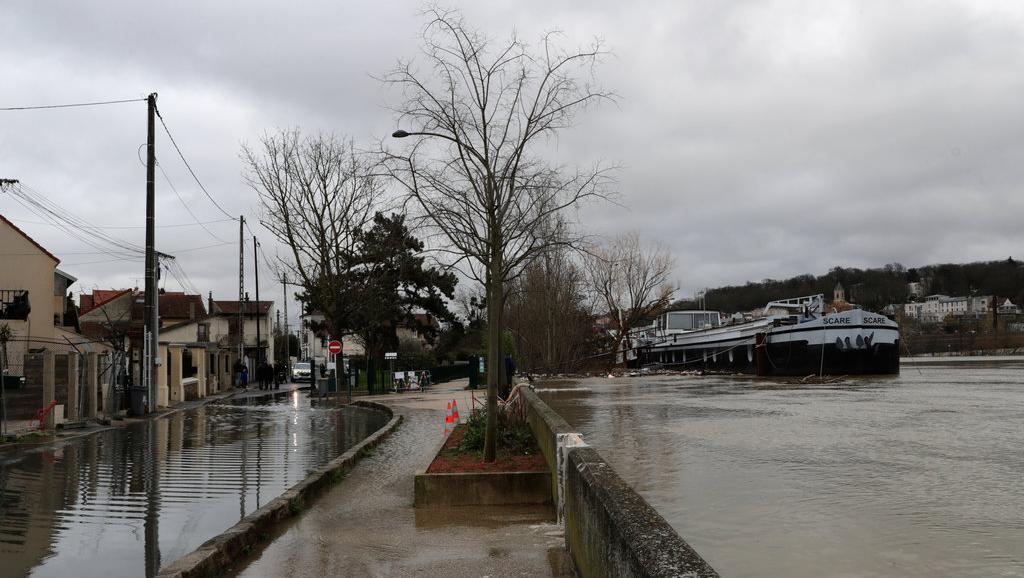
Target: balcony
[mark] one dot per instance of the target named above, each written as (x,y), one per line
(14,304)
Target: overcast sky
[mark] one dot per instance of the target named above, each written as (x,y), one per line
(756,139)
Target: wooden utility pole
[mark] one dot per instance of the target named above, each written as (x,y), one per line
(152,300)
(241,287)
(287,332)
(256,277)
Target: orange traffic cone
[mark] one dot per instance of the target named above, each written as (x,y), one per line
(448,419)
(455,413)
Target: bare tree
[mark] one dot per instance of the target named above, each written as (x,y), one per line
(629,281)
(316,195)
(480,112)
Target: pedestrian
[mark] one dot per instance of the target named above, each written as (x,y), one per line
(245,377)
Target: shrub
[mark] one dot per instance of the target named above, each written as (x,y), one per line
(511,436)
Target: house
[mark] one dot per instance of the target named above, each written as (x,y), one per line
(224,327)
(34,301)
(1007,307)
(313,343)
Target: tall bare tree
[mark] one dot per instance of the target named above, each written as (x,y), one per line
(317,194)
(630,281)
(480,112)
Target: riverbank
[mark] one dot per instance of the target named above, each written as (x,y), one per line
(367,525)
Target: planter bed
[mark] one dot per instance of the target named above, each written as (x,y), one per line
(461,478)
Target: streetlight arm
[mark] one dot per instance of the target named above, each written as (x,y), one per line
(402,134)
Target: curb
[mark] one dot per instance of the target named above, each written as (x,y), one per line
(217,554)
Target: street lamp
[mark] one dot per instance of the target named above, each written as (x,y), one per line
(402,134)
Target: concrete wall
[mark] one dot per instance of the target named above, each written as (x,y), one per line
(546,426)
(610,530)
(482,489)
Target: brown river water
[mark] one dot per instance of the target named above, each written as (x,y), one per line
(920,474)
(128,500)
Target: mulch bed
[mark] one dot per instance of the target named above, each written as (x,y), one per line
(450,460)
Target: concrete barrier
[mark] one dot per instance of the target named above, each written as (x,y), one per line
(215,556)
(547,427)
(610,530)
(482,489)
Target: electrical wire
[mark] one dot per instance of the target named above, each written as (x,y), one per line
(175,225)
(76,104)
(189,167)
(184,204)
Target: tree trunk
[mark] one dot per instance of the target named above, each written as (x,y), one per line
(495,363)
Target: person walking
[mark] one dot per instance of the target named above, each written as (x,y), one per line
(245,376)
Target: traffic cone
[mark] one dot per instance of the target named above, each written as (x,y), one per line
(448,419)
(455,413)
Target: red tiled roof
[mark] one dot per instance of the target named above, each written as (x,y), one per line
(29,239)
(175,305)
(232,307)
(99,297)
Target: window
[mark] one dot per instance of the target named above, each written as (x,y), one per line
(203,332)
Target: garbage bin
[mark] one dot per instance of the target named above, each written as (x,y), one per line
(138,396)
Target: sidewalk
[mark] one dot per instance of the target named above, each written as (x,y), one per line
(367,526)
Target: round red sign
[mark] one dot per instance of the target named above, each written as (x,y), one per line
(334,347)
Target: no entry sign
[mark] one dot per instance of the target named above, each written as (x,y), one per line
(334,347)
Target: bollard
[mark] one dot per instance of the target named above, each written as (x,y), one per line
(91,380)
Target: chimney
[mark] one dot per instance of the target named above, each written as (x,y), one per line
(191,310)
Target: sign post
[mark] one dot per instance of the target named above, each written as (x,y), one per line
(391,356)
(334,348)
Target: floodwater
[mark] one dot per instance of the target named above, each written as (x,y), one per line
(126,501)
(920,474)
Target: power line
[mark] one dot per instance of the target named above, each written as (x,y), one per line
(213,222)
(189,167)
(184,204)
(75,104)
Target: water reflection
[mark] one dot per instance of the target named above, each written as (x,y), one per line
(920,474)
(126,501)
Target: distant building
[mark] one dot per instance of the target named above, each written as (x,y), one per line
(937,307)
(1007,307)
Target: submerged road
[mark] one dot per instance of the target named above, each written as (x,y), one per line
(367,526)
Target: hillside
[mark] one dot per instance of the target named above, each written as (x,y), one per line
(875,288)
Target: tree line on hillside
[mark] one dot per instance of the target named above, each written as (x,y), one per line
(874,288)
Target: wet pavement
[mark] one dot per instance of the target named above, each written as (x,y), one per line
(126,500)
(367,526)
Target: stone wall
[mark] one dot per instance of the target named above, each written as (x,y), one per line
(610,530)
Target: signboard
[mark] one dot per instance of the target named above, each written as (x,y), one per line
(391,355)
(334,347)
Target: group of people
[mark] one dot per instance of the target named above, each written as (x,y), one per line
(267,375)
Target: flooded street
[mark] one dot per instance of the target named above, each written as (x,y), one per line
(128,500)
(920,474)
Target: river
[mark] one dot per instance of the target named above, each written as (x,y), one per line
(125,501)
(920,474)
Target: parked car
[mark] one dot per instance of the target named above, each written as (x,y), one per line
(302,372)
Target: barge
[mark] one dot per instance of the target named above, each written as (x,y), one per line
(796,337)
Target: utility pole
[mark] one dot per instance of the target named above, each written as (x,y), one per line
(256,269)
(152,300)
(287,332)
(241,287)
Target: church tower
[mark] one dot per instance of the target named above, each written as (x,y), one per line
(838,294)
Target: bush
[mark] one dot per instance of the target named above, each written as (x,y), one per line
(512,436)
